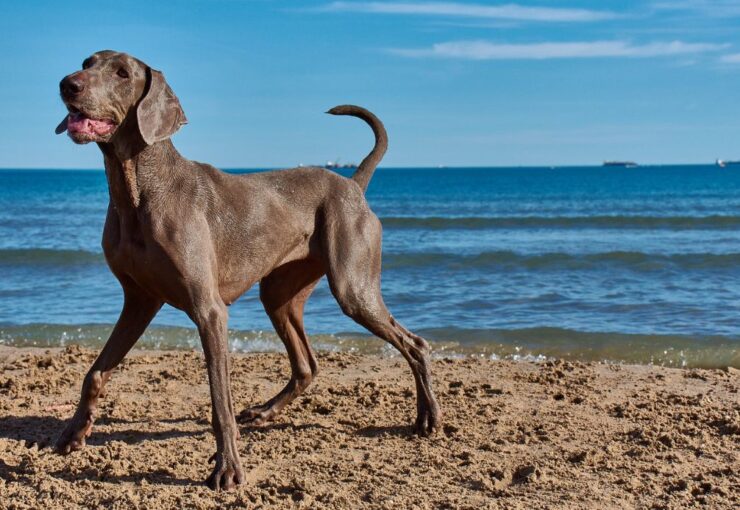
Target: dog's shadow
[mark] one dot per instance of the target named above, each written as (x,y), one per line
(42,431)
(246,428)
(32,431)
(21,473)
(405,431)
(157,477)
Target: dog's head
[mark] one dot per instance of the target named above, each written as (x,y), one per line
(115,94)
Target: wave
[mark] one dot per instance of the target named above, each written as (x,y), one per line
(695,351)
(715,222)
(516,344)
(637,261)
(49,257)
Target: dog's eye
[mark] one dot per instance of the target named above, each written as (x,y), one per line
(122,73)
(87,63)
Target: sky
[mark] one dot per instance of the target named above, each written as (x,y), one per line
(456,83)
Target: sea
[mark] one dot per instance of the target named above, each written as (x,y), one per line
(626,265)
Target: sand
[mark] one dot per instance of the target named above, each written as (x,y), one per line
(515,435)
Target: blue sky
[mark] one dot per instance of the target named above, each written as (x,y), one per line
(456,83)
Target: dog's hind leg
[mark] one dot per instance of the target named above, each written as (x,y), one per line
(284,293)
(353,253)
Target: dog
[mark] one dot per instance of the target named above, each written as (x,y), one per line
(186,234)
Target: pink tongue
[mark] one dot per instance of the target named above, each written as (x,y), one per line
(80,124)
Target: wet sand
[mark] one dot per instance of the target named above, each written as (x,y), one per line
(515,435)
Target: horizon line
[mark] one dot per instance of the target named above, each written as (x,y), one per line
(402,167)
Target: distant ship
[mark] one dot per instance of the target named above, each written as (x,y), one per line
(723,164)
(332,165)
(336,165)
(621,164)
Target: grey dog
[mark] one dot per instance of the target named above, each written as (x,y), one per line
(187,234)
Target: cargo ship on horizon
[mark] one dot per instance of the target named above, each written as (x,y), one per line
(620,164)
(724,164)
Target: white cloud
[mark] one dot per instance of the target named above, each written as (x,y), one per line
(710,8)
(503,11)
(484,50)
(733,58)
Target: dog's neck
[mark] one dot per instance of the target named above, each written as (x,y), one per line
(133,170)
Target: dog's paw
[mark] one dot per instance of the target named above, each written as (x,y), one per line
(256,416)
(73,437)
(227,474)
(428,421)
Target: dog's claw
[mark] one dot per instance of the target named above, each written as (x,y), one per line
(428,422)
(226,475)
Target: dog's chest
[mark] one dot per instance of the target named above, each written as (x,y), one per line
(134,253)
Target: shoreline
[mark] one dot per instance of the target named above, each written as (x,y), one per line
(538,344)
(514,435)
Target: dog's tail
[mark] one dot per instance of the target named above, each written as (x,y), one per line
(366,169)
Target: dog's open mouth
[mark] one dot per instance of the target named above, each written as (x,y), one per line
(79,124)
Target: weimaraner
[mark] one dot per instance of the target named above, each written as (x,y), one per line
(187,234)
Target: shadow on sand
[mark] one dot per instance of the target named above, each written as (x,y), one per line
(389,430)
(42,431)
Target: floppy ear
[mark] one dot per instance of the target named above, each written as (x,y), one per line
(159,113)
(62,127)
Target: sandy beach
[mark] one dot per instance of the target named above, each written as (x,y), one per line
(515,435)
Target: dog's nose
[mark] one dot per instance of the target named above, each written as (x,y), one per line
(71,85)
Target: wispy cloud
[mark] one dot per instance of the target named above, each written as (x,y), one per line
(503,12)
(484,50)
(710,8)
(733,58)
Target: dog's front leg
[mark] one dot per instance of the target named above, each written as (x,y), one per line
(138,311)
(212,322)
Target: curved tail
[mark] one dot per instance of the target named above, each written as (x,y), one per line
(366,169)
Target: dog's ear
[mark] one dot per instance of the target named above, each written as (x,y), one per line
(62,127)
(159,113)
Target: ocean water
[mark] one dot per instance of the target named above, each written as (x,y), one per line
(637,265)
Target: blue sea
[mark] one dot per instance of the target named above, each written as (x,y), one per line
(635,265)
